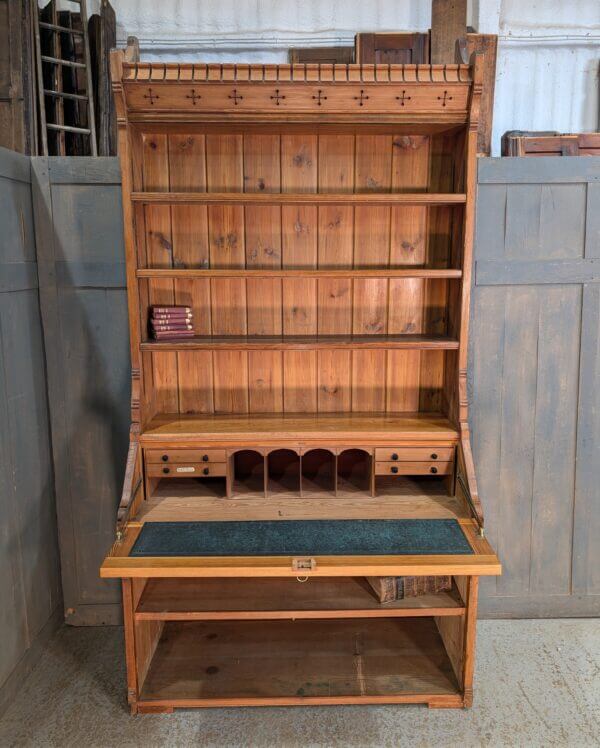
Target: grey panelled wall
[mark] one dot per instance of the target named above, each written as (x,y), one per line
(30,602)
(535,382)
(79,235)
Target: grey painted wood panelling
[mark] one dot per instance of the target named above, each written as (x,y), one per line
(534,375)
(78,218)
(535,382)
(538,170)
(30,579)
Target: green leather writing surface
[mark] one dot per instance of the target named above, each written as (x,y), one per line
(352,537)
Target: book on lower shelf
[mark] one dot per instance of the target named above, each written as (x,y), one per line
(390,589)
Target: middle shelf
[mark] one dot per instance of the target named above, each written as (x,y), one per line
(300,273)
(303,342)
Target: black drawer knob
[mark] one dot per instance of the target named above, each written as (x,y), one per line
(166,471)
(165,458)
(204,458)
(434,456)
(433,470)
(394,469)
(205,471)
(394,456)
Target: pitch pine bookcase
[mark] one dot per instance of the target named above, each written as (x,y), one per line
(318,219)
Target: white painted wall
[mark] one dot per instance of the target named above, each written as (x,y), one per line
(548,66)
(549,52)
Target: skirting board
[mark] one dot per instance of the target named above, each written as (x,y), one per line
(542,606)
(95,615)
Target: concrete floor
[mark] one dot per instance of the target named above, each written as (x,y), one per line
(537,684)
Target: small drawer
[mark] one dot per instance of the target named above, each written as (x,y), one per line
(185,455)
(414,454)
(187,470)
(413,468)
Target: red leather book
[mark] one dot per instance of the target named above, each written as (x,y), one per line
(171,326)
(172,316)
(171,309)
(173,334)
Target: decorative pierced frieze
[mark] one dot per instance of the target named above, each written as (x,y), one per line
(148,71)
(165,96)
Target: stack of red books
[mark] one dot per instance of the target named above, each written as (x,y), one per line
(170,322)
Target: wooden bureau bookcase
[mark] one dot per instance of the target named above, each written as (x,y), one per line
(318,219)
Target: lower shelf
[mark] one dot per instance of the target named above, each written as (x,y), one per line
(291,662)
(271,599)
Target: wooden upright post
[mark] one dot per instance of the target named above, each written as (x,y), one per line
(448,23)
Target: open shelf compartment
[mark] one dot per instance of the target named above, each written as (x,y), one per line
(209,663)
(270,599)
(190,500)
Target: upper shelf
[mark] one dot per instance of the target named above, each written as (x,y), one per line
(288,198)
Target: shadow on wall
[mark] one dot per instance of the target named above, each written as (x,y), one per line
(30,580)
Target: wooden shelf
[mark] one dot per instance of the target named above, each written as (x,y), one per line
(298,662)
(279,599)
(190,500)
(303,342)
(334,427)
(407,272)
(302,198)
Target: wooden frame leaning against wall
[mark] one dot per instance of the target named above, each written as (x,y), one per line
(318,221)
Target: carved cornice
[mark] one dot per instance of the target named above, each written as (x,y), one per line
(162,92)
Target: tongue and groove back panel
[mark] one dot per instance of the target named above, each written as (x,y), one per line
(293,159)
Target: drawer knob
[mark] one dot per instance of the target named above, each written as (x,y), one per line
(394,456)
(394,469)
(204,458)
(434,456)
(205,471)
(165,458)
(433,470)
(166,471)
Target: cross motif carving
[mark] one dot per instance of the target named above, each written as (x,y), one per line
(277,96)
(319,98)
(403,98)
(151,96)
(193,96)
(444,98)
(235,96)
(362,98)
